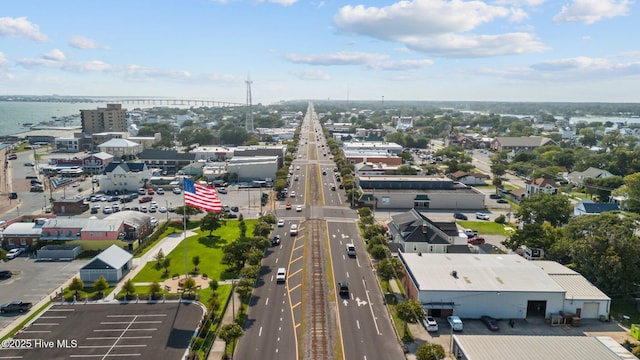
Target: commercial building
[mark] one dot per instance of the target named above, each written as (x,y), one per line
(111,118)
(504,286)
(390,147)
(113,263)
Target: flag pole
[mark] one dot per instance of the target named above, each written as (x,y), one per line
(184,228)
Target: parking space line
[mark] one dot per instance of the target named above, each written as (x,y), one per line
(106,346)
(62,309)
(44,324)
(137,316)
(36,331)
(125,329)
(53,317)
(104,355)
(126,322)
(113,337)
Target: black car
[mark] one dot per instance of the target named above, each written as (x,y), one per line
(460,216)
(502,201)
(235,209)
(491,323)
(275,241)
(13,195)
(5,274)
(343,289)
(494,196)
(231,215)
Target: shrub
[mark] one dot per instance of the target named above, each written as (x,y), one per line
(500,219)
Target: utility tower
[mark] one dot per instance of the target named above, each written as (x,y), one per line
(249,117)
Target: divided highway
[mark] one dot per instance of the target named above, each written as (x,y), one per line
(306,317)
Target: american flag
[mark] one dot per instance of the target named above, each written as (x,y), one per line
(202,197)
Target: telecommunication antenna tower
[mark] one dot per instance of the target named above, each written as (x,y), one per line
(249,118)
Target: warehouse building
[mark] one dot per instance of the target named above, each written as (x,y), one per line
(504,286)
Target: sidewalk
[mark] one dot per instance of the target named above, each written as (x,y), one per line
(217,349)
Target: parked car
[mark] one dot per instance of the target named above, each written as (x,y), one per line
(491,323)
(14,253)
(430,324)
(460,216)
(15,306)
(13,195)
(177,191)
(222,190)
(160,191)
(482,216)
(502,201)
(455,322)
(494,196)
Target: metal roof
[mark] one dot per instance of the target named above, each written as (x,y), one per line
(100,225)
(113,256)
(22,229)
(132,218)
(500,347)
(579,288)
(477,272)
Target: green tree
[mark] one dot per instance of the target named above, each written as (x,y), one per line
(632,188)
(379,252)
(196,261)
(250,272)
(100,285)
(261,228)
(365,211)
(538,208)
(605,249)
(211,222)
(390,268)
(154,288)
(410,311)
(3,255)
(166,263)
(159,258)
(429,351)
(76,285)
(254,256)
(230,333)
(188,211)
(244,287)
(189,285)
(242,226)
(128,287)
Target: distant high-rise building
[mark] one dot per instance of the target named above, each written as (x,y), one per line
(111,118)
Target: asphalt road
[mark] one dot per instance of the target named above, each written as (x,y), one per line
(277,327)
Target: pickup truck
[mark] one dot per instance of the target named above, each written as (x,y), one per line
(15,306)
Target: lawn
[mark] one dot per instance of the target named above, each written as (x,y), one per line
(87,292)
(625,306)
(209,249)
(487,227)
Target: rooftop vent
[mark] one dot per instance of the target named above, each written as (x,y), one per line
(454,274)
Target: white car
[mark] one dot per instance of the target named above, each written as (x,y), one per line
(162,209)
(293,194)
(430,324)
(482,216)
(107,210)
(14,253)
(455,322)
(280,223)
(281,275)
(177,191)
(299,208)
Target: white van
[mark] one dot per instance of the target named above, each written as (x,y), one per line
(351,250)
(293,230)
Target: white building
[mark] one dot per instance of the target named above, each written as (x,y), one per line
(253,168)
(121,147)
(71,145)
(498,285)
(129,176)
(373,145)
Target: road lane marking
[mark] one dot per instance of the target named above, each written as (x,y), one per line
(358,324)
(295,287)
(266,302)
(347,274)
(296,305)
(260,331)
(296,259)
(375,322)
(295,272)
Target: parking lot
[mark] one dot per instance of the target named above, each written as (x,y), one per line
(33,280)
(140,331)
(530,327)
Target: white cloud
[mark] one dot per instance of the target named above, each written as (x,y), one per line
(312,74)
(3,60)
(573,64)
(81,42)
(55,54)
(400,65)
(591,11)
(20,28)
(461,46)
(439,27)
(519,2)
(339,58)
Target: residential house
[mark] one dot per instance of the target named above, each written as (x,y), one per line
(540,185)
(415,233)
(577,178)
(472,178)
(588,207)
(124,176)
(520,143)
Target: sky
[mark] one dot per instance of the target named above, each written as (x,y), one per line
(422,50)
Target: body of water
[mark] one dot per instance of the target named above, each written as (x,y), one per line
(13,114)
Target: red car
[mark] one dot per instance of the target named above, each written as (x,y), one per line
(145,199)
(150,191)
(288,206)
(476,240)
